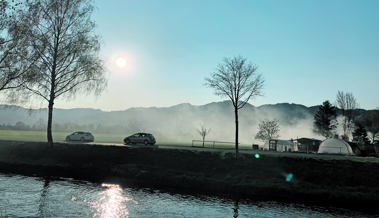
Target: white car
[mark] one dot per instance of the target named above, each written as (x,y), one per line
(80,136)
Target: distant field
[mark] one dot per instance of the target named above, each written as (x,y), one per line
(23,135)
(20,135)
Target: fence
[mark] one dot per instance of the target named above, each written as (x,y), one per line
(212,144)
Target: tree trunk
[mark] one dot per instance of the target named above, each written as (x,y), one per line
(203,141)
(236,139)
(49,122)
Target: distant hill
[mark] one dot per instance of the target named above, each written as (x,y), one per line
(175,123)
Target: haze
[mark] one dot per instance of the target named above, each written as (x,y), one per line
(305,50)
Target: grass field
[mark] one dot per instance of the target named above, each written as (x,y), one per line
(20,135)
(40,136)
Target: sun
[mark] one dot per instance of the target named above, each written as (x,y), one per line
(120,62)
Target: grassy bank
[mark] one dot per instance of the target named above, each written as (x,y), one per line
(337,182)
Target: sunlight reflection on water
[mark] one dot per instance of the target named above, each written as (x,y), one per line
(112,202)
(40,197)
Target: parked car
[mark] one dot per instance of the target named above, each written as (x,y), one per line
(140,138)
(80,136)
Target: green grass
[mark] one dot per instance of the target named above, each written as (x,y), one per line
(21,135)
(40,136)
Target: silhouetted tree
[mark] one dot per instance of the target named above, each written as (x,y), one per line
(267,130)
(347,103)
(15,56)
(325,120)
(370,121)
(203,131)
(360,136)
(236,79)
(68,51)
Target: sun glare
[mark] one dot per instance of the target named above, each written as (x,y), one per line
(120,62)
(112,202)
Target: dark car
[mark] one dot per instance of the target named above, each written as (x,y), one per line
(140,138)
(81,136)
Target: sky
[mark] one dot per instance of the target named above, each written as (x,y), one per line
(305,50)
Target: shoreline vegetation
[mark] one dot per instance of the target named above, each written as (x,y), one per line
(326,180)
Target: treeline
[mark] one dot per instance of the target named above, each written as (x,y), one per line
(358,126)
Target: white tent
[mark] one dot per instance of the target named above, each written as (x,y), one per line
(335,146)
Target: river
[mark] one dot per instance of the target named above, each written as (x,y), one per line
(22,196)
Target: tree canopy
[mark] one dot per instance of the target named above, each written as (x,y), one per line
(267,130)
(63,38)
(360,136)
(370,121)
(325,120)
(16,57)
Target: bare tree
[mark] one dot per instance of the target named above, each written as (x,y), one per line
(347,103)
(267,130)
(15,56)
(68,48)
(203,131)
(236,79)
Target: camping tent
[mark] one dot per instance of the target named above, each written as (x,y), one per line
(335,146)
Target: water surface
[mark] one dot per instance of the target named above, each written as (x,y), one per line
(22,196)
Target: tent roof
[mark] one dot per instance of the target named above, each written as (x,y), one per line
(335,146)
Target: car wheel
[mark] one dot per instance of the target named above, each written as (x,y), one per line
(145,142)
(127,142)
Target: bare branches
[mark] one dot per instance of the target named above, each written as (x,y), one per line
(267,130)
(203,131)
(236,79)
(347,103)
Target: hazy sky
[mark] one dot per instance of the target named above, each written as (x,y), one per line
(306,50)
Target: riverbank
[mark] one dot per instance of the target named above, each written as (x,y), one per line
(321,180)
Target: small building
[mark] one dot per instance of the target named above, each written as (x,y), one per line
(282,145)
(308,145)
